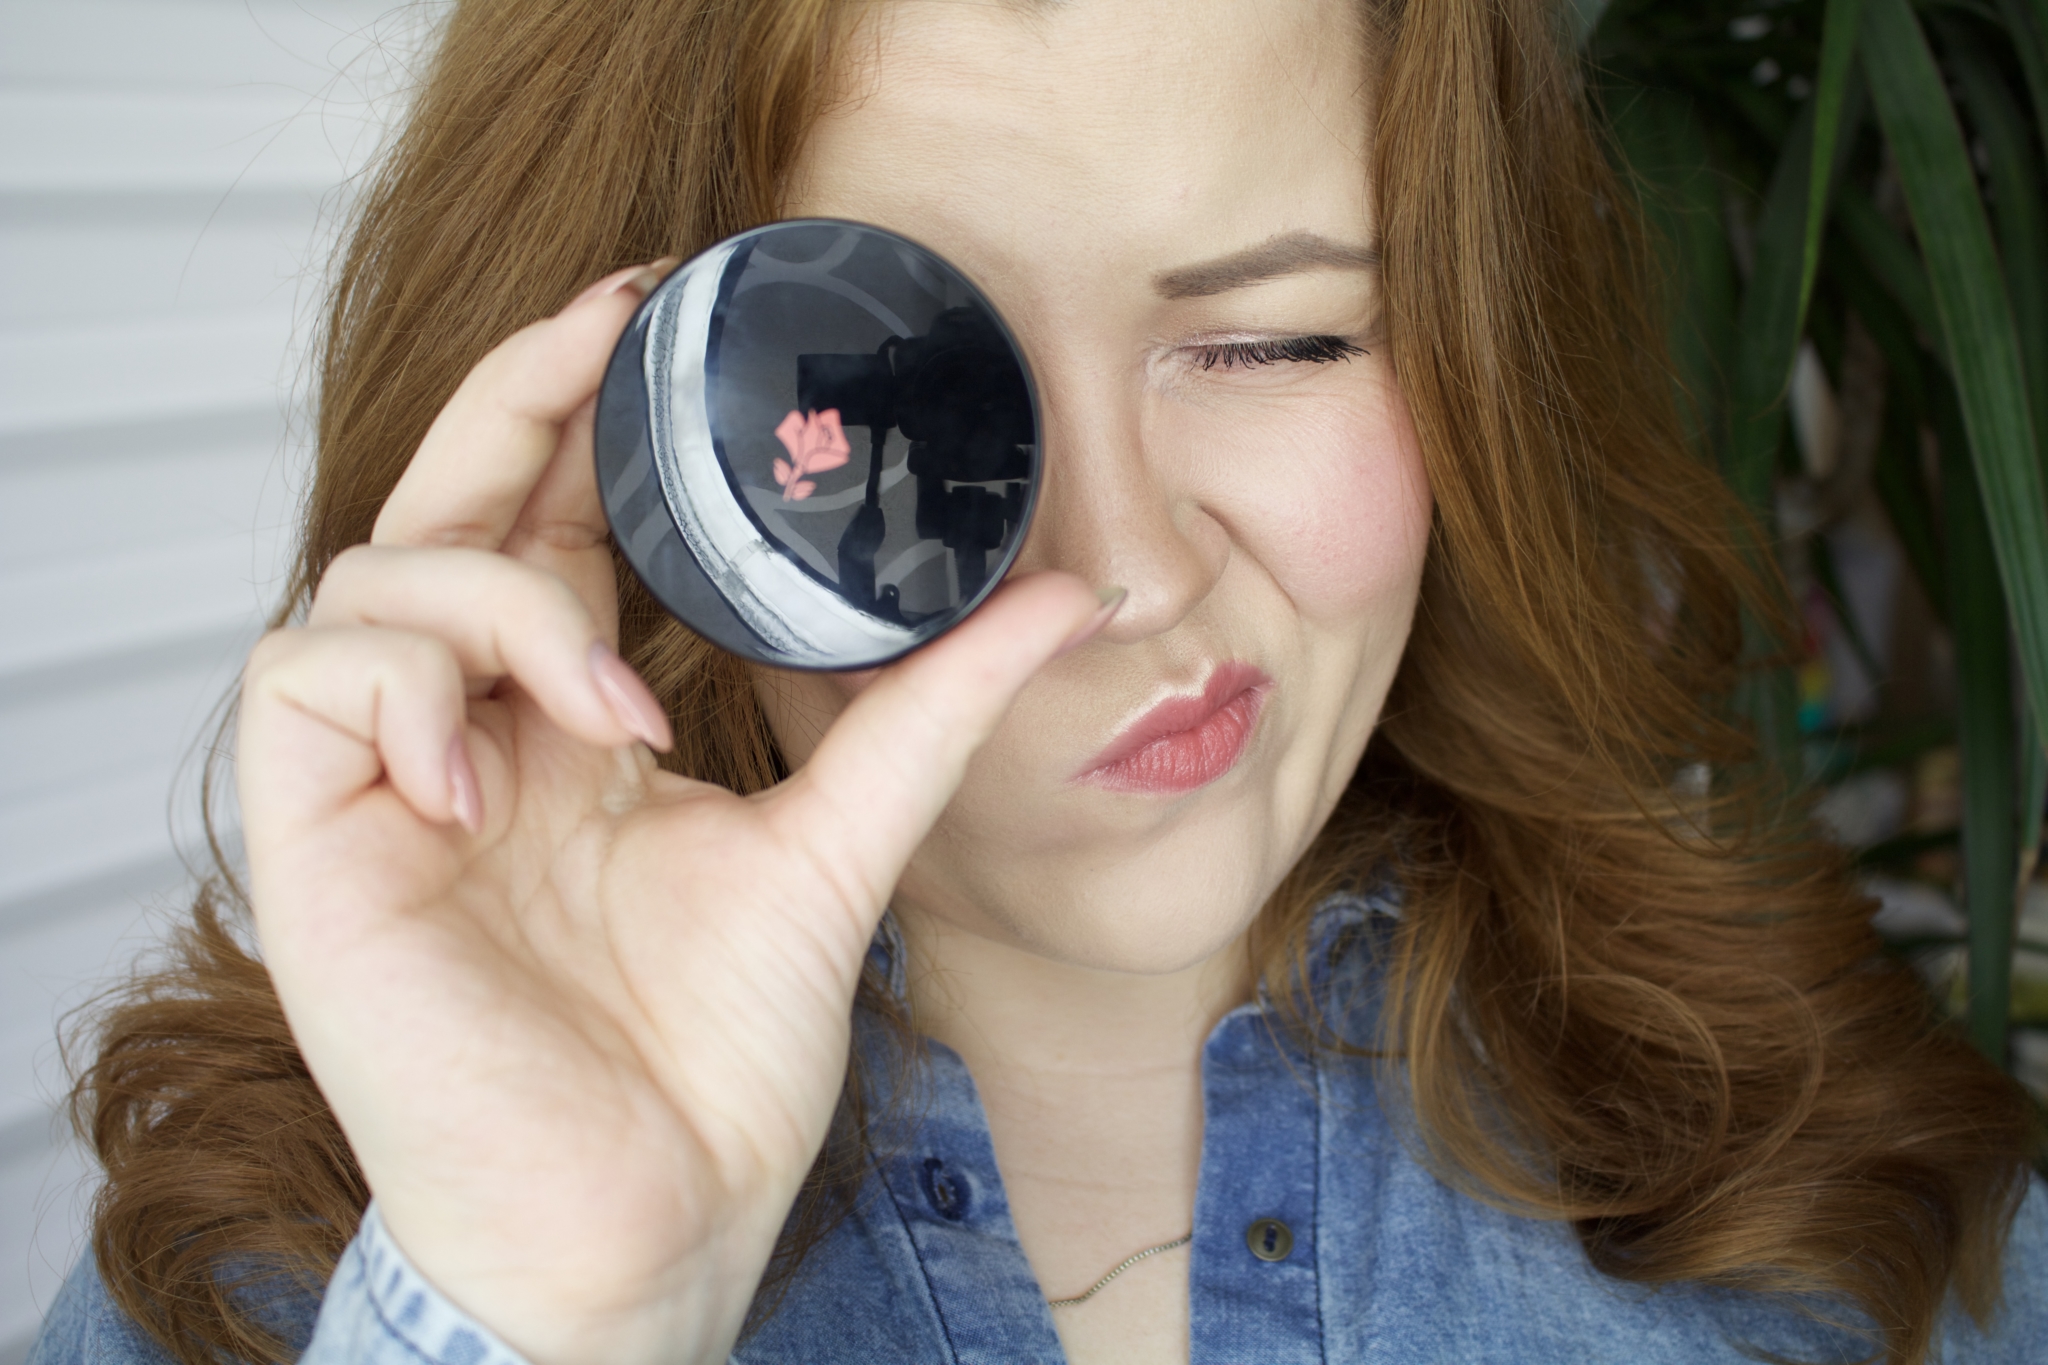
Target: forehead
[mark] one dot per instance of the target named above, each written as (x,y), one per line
(1128,133)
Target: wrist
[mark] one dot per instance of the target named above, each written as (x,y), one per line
(691,1316)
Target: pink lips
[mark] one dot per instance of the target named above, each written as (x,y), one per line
(1184,742)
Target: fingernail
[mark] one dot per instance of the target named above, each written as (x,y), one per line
(617,279)
(465,793)
(632,705)
(639,278)
(1111,599)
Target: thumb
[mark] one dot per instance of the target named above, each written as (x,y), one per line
(876,783)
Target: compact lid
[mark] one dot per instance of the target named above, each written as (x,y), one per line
(817,444)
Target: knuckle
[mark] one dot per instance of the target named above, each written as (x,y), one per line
(499,377)
(408,649)
(419,660)
(562,535)
(575,612)
(406,674)
(341,573)
(355,558)
(268,654)
(355,581)
(449,534)
(496,364)
(539,594)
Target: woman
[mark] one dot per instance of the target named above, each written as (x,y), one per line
(1277,892)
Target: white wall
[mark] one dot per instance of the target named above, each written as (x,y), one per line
(163,170)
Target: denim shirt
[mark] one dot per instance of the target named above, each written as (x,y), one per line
(1318,1240)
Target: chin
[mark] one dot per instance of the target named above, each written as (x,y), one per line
(1139,938)
(1147,943)
(1166,907)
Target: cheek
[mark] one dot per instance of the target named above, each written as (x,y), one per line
(1328,494)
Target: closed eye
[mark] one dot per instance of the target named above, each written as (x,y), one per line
(1317,350)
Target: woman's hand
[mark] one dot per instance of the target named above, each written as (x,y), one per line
(583,1022)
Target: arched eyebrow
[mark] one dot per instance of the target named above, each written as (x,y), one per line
(1282,255)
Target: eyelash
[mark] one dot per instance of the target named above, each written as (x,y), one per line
(1314,350)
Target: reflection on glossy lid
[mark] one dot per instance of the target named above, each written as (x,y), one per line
(818,445)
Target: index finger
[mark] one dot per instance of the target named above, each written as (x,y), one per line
(489,446)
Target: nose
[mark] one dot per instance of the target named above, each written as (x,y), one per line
(1115,510)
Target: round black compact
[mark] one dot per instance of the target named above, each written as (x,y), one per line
(817,445)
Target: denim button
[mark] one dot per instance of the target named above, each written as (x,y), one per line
(1270,1239)
(947,1193)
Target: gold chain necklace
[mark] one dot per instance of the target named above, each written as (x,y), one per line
(1097,1287)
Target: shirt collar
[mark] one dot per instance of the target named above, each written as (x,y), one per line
(886,958)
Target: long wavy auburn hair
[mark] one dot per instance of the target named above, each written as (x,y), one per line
(1661,1017)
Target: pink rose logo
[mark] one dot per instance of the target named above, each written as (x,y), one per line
(815,443)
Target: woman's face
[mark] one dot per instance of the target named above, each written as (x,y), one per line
(1168,201)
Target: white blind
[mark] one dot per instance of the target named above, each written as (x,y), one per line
(164,166)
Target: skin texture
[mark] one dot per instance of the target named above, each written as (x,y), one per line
(584,1022)
(1075,944)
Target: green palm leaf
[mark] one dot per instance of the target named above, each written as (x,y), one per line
(1984,734)
(2019,211)
(2026,23)
(1977,324)
(1768,329)
(1838,45)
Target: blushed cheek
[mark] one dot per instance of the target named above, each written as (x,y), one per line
(1331,499)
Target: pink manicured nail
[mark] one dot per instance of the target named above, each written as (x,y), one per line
(640,278)
(1111,599)
(632,705)
(465,793)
